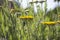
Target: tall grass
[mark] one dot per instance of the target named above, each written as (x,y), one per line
(15,28)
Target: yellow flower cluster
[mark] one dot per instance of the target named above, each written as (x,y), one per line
(48,23)
(26,17)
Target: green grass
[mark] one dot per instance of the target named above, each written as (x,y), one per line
(14,28)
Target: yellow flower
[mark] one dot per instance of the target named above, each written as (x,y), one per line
(48,23)
(26,17)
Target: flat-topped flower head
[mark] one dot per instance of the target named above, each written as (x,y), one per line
(49,23)
(26,17)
